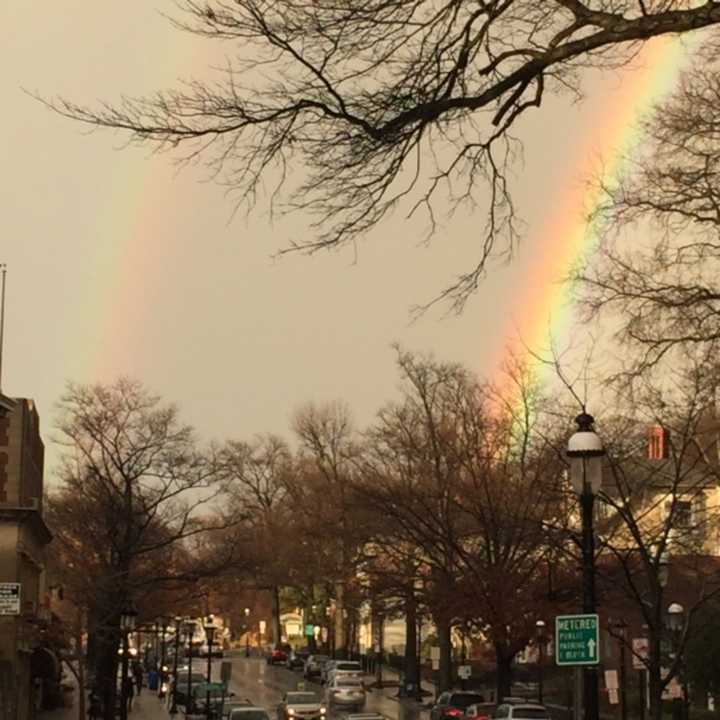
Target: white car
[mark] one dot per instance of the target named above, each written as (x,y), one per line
(348,691)
(526,711)
(248,712)
(342,668)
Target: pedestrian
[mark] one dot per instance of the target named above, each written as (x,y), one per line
(129,687)
(138,675)
(95,709)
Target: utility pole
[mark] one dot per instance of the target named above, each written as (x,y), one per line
(3,273)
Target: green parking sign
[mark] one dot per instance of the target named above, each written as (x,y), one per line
(577,639)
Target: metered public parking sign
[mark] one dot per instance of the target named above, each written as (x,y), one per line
(577,639)
(9,598)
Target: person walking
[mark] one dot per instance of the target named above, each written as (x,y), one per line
(129,686)
(138,675)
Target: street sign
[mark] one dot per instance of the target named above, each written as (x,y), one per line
(434,652)
(9,598)
(639,653)
(577,639)
(215,689)
(263,625)
(464,672)
(309,630)
(611,679)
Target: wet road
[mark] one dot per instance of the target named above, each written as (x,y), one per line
(264,685)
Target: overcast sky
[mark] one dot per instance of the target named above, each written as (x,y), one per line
(120,264)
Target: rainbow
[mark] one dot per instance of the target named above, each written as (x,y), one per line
(567,238)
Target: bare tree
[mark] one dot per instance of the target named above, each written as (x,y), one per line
(354,107)
(133,485)
(658,538)
(664,286)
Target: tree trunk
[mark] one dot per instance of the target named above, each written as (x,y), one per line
(654,677)
(444,630)
(276,631)
(411,659)
(80,666)
(503,660)
(340,639)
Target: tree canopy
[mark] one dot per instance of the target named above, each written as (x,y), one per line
(349,109)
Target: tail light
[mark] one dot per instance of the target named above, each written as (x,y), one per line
(453,712)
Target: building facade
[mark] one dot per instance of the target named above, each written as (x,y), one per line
(23,538)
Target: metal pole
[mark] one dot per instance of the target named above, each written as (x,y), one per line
(541,657)
(173,706)
(590,679)
(623,682)
(188,698)
(209,674)
(418,678)
(124,676)
(641,686)
(3,271)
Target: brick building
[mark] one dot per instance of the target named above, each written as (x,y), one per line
(23,538)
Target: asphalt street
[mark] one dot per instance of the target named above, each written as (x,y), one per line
(264,685)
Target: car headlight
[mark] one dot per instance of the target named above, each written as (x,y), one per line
(291,711)
(322,710)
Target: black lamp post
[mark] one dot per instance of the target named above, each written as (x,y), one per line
(164,626)
(210,635)
(620,627)
(247,633)
(541,639)
(173,705)
(585,451)
(189,632)
(127,625)
(676,622)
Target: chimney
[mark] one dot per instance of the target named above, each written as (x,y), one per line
(658,443)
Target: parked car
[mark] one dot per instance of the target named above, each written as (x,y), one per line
(301,705)
(314,665)
(524,711)
(279,654)
(230,705)
(182,686)
(454,704)
(217,650)
(347,691)
(341,668)
(247,712)
(480,711)
(296,659)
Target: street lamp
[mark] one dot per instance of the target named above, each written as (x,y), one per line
(585,452)
(663,569)
(676,623)
(541,639)
(210,635)
(189,632)
(173,706)
(247,633)
(127,625)
(619,628)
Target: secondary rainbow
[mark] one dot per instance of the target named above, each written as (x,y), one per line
(543,310)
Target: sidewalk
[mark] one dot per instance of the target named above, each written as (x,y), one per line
(146,706)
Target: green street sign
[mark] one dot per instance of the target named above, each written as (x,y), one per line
(309,630)
(577,639)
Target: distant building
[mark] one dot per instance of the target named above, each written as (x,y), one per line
(23,537)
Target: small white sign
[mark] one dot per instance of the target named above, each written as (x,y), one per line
(9,598)
(611,679)
(262,627)
(639,653)
(436,664)
(435,653)
(613,696)
(464,672)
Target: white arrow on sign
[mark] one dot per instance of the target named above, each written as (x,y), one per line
(591,647)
